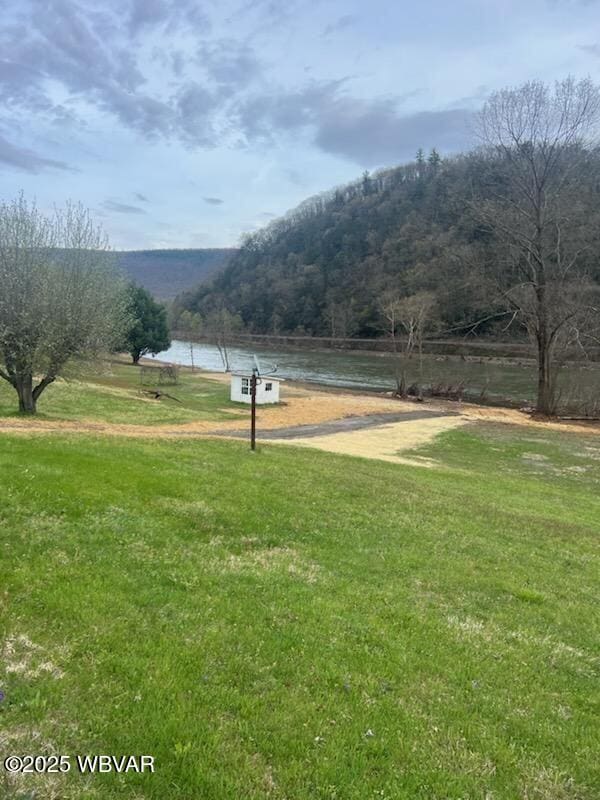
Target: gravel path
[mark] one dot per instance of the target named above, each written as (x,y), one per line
(341,425)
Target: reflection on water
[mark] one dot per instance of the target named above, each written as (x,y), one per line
(366,370)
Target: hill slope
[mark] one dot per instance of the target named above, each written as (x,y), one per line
(327,267)
(324,268)
(433,634)
(166,273)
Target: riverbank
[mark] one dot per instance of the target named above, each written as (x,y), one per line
(487,381)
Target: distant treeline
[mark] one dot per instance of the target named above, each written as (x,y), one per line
(326,268)
(166,273)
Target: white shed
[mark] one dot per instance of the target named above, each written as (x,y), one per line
(267,388)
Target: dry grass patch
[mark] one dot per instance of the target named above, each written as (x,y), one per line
(23,657)
(550,784)
(583,663)
(279,560)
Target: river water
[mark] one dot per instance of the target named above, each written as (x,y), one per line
(497,378)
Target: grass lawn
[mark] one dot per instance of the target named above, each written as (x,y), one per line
(116,395)
(293,624)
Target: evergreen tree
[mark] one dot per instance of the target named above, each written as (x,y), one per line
(367,184)
(434,159)
(149,332)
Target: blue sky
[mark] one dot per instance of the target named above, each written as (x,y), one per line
(185,124)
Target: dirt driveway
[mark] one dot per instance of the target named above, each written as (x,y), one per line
(373,426)
(381,435)
(354,423)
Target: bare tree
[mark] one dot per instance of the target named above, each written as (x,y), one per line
(406,320)
(341,317)
(417,315)
(60,295)
(191,324)
(388,309)
(538,142)
(219,327)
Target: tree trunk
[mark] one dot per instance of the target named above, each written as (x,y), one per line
(136,357)
(400,376)
(24,386)
(401,384)
(545,388)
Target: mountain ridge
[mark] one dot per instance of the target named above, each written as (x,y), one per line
(339,264)
(325,268)
(167,272)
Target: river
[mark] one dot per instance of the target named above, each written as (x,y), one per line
(497,378)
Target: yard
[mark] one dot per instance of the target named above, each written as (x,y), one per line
(294,623)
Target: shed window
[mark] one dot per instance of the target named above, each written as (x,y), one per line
(245,385)
(268,387)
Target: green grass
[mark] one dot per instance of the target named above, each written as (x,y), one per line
(293,624)
(114,394)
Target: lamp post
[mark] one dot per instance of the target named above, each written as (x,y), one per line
(253,413)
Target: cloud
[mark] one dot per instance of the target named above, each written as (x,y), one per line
(24,159)
(21,85)
(367,132)
(373,134)
(194,105)
(91,56)
(213,201)
(96,57)
(262,115)
(82,52)
(592,49)
(150,117)
(122,208)
(345,21)
(270,15)
(229,62)
(168,13)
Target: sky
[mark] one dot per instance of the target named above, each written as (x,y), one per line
(182,123)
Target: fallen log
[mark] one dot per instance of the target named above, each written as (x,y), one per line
(157,394)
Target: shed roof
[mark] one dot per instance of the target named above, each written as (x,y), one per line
(237,374)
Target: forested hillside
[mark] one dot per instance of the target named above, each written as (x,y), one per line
(331,266)
(166,273)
